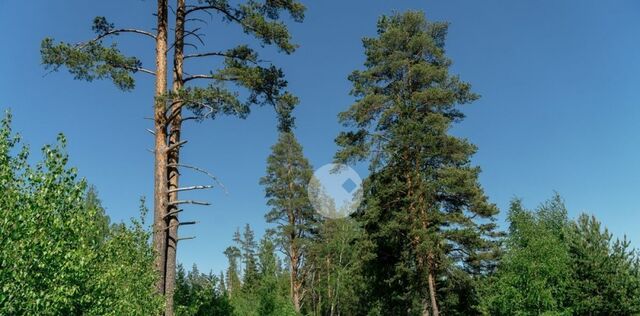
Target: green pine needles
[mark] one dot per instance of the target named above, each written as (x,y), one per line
(424,209)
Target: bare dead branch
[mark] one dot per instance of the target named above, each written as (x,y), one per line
(189,118)
(140,69)
(186,238)
(192,77)
(172,213)
(197,20)
(229,15)
(194,187)
(223,54)
(205,55)
(176,145)
(174,109)
(115,32)
(191,45)
(194,33)
(189,202)
(207,173)
(188,223)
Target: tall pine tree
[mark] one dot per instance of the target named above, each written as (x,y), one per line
(240,80)
(424,208)
(288,174)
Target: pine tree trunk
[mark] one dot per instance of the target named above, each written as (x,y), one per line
(432,293)
(160,164)
(174,155)
(425,306)
(295,281)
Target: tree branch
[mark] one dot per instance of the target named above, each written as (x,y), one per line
(193,33)
(223,54)
(197,20)
(189,202)
(176,145)
(202,171)
(189,118)
(172,213)
(115,32)
(229,15)
(206,54)
(188,223)
(140,69)
(195,187)
(192,77)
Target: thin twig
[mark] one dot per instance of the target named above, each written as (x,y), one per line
(114,32)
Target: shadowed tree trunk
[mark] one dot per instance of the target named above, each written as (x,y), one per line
(296,285)
(174,155)
(432,293)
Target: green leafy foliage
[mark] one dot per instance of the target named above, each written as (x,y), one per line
(259,292)
(535,273)
(124,275)
(272,291)
(337,281)
(199,294)
(555,266)
(57,255)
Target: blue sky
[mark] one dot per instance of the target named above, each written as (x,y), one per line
(559,106)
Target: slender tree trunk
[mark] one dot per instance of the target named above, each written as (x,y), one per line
(425,306)
(329,294)
(295,281)
(174,155)
(160,165)
(432,291)
(421,267)
(294,252)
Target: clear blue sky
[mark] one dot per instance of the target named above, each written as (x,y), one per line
(559,107)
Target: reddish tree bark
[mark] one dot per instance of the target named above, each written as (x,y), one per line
(160,164)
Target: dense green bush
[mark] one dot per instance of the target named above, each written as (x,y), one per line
(58,255)
(556,266)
